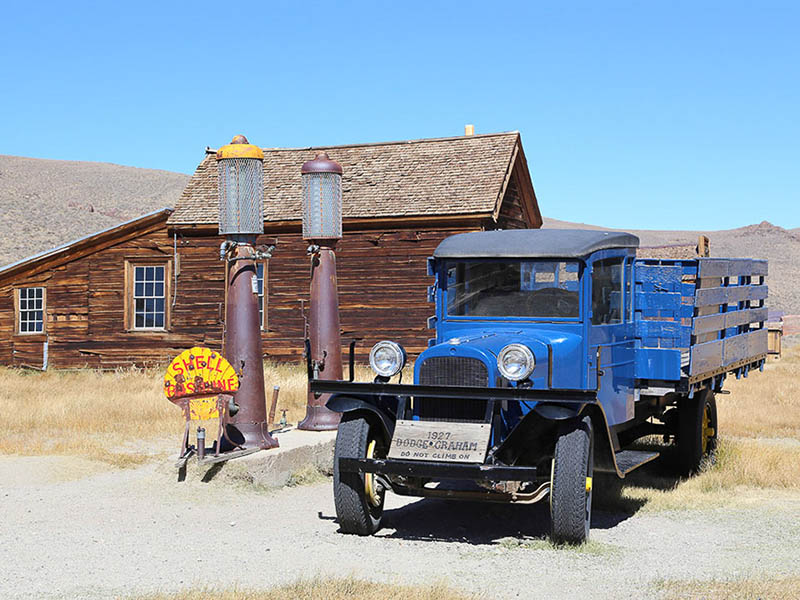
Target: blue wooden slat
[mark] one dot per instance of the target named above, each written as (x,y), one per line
(658,300)
(660,329)
(659,275)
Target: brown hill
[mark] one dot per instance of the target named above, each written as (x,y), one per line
(45,203)
(765,240)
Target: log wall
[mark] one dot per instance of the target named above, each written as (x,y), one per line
(382,293)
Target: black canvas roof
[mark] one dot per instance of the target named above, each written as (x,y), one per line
(533,243)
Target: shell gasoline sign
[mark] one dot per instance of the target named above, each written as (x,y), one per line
(197,376)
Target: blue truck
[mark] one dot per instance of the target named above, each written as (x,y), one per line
(555,351)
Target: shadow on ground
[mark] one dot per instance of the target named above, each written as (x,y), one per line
(483,523)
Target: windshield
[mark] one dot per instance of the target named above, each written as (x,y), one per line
(534,288)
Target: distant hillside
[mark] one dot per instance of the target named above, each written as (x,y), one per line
(45,203)
(765,240)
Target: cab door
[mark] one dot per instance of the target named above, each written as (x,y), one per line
(611,335)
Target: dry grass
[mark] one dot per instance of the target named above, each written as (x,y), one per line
(784,588)
(742,468)
(120,417)
(84,413)
(325,589)
(765,404)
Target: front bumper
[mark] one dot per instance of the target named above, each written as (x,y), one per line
(438,470)
(329,386)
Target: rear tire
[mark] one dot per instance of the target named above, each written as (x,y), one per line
(359,504)
(697,431)
(571,485)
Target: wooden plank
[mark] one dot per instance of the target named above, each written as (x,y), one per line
(708,323)
(745,317)
(705,357)
(712,267)
(729,294)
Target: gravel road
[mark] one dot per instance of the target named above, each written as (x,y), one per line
(71,530)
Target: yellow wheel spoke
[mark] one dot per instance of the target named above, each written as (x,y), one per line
(369,479)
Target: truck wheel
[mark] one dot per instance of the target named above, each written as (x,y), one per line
(571,485)
(697,430)
(358,498)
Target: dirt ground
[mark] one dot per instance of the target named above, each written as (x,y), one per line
(74,529)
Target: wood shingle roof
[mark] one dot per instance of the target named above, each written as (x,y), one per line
(445,176)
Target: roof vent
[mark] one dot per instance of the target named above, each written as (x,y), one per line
(469,129)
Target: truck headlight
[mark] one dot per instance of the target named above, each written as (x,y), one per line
(387,358)
(516,362)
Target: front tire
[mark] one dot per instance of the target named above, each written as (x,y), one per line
(697,430)
(571,485)
(357,496)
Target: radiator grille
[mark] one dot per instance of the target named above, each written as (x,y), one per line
(452,370)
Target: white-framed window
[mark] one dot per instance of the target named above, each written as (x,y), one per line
(147,289)
(30,310)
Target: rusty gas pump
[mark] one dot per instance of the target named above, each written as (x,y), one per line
(322,227)
(241,220)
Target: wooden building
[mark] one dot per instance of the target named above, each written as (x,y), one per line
(140,292)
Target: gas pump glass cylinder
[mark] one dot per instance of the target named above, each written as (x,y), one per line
(322,199)
(241,185)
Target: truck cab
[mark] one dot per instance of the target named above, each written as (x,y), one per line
(554,351)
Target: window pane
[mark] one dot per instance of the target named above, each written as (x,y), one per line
(39,326)
(607,291)
(149,294)
(538,289)
(23,326)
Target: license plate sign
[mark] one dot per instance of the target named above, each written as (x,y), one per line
(440,441)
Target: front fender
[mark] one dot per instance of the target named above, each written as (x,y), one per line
(370,404)
(558,412)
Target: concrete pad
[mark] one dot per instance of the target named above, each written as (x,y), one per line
(298,451)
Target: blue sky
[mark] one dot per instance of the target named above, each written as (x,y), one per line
(676,115)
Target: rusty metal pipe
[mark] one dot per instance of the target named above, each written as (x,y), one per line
(275,391)
(248,428)
(324,336)
(201,443)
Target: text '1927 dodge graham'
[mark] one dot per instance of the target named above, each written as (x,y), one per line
(555,351)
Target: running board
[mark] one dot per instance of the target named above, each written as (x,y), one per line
(628,460)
